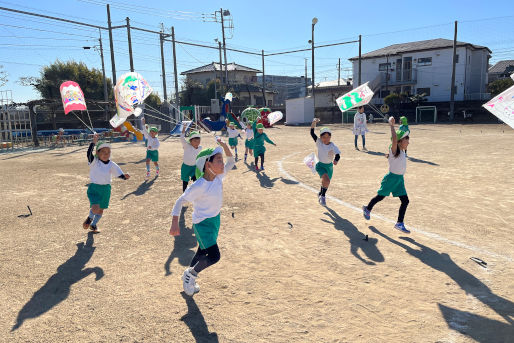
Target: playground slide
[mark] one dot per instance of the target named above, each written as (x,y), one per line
(132,129)
(233,119)
(213,125)
(177,130)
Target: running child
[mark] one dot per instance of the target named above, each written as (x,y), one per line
(360,127)
(191,148)
(233,133)
(328,156)
(152,148)
(206,194)
(249,139)
(393,181)
(101,168)
(258,143)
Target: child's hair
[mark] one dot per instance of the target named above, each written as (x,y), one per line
(210,159)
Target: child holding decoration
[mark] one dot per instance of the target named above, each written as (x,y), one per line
(233,133)
(393,181)
(249,139)
(191,148)
(258,143)
(327,152)
(152,148)
(360,127)
(206,194)
(101,168)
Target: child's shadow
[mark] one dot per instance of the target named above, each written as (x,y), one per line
(196,322)
(142,188)
(182,245)
(265,181)
(58,286)
(356,239)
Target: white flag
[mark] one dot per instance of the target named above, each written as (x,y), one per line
(356,97)
(502,106)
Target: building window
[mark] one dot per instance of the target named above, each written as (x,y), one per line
(456,58)
(425,91)
(424,61)
(384,66)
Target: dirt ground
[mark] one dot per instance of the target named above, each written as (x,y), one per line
(290,270)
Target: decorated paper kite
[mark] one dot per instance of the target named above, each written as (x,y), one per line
(357,97)
(72,97)
(502,106)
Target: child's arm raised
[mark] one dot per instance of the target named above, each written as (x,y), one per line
(313,126)
(394,139)
(90,156)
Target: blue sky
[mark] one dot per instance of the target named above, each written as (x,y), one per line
(28,43)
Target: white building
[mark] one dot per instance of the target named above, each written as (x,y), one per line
(326,92)
(426,67)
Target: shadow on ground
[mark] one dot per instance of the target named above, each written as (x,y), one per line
(57,288)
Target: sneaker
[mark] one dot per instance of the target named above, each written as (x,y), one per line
(188,282)
(86,223)
(256,169)
(197,288)
(262,167)
(157,172)
(94,228)
(365,212)
(147,174)
(401,227)
(364,149)
(322,201)
(356,148)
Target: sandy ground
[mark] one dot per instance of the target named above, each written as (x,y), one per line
(317,281)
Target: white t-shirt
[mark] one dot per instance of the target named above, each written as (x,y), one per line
(397,165)
(359,124)
(206,196)
(101,173)
(232,133)
(153,143)
(326,152)
(249,133)
(190,152)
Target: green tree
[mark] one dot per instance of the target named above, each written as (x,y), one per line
(90,80)
(498,86)
(153,100)
(194,93)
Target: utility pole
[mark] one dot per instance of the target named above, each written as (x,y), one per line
(339,73)
(163,69)
(221,70)
(306,83)
(111,44)
(263,81)
(312,48)
(387,73)
(360,60)
(224,45)
(454,61)
(177,97)
(106,98)
(130,45)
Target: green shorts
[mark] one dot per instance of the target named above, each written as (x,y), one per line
(258,150)
(152,155)
(187,172)
(206,231)
(392,183)
(232,141)
(325,168)
(99,195)
(249,143)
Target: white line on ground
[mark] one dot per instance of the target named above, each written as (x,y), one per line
(376,215)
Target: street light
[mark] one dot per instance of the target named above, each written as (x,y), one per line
(314,22)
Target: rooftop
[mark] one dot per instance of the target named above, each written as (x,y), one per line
(431,44)
(214,66)
(501,67)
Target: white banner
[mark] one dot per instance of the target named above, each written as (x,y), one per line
(356,97)
(502,106)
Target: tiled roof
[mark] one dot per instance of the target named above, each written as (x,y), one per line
(241,88)
(501,66)
(214,66)
(431,44)
(329,84)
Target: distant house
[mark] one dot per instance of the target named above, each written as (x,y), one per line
(327,92)
(501,70)
(426,67)
(287,87)
(241,80)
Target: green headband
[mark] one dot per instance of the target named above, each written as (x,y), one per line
(154,129)
(403,120)
(260,126)
(202,157)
